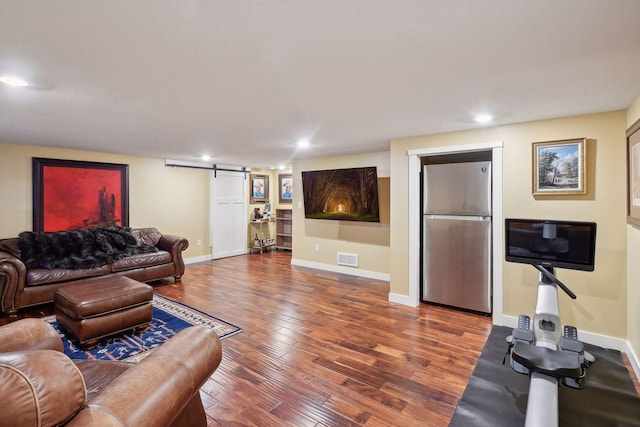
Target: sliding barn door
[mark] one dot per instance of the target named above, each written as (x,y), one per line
(228,214)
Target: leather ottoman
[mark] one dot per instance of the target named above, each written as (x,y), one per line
(93,309)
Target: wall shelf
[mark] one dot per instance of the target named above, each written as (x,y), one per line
(284,218)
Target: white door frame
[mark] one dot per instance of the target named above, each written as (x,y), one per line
(415,218)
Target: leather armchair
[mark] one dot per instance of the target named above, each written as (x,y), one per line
(41,386)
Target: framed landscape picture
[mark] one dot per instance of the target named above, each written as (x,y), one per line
(70,194)
(559,167)
(633,174)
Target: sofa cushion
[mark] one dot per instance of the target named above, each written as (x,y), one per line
(99,373)
(40,276)
(149,236)
(45,387)
(141,260)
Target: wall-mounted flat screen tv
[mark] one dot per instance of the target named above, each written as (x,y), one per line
(551,243)
(341,194)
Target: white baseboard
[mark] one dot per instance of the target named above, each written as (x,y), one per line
(633,359)
(340,269)
(201,258)
(401,299)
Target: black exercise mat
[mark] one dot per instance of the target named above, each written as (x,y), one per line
(497,396)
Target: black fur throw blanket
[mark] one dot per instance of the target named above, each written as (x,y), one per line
(77,249)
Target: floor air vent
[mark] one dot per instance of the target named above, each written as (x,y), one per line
(350,260)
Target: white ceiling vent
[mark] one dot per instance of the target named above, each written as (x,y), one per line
(350,260)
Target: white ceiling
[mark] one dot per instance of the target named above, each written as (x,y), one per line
(244,80)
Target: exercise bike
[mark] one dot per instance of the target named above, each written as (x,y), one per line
(548,353)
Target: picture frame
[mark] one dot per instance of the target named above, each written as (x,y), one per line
(633,174)
(559,167)
(259,188)
(72,194)
(285,188)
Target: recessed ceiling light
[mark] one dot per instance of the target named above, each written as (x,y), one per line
(13,81)
(483,118)
(205,157)
(303,143)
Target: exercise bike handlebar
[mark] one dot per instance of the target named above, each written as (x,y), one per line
(549,275)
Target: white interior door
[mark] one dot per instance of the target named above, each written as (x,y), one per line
(228,214)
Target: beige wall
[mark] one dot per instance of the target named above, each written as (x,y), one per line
(369,240)
(601,306)
(633,266)
(268,229)
(175,200)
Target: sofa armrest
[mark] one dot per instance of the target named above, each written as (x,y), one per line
(156,390)
(175,245)
(29,334)
(13,274)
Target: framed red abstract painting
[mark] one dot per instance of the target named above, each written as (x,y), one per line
(71,194)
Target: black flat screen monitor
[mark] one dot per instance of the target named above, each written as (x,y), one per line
(551,243)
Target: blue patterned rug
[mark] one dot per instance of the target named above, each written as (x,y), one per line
(169,317)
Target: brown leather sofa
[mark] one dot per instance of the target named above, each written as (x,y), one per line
(41,386)
(24,287)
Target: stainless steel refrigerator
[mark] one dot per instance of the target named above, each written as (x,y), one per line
(456,269)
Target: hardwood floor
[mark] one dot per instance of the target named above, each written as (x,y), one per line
(325,349)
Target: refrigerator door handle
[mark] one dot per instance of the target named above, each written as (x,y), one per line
(459,217)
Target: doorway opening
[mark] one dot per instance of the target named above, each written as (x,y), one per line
(415,218)
(456,230)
